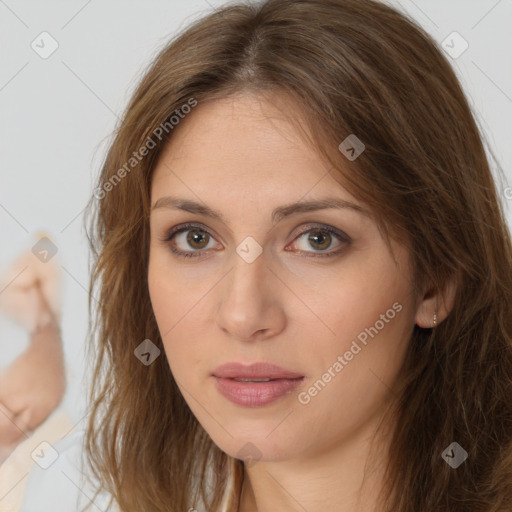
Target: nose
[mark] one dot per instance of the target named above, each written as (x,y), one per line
(251,301)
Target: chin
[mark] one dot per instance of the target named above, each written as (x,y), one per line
(259,442)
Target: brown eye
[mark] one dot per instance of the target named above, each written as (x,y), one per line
(189,240)
(196,238)
(321,239)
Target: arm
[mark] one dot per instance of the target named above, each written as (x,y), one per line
(34,384)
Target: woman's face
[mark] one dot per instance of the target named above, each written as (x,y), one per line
(313,291)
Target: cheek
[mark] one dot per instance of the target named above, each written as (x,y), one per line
(173,295)
(176,307)
(352,372)
(366,316)
(167,307)
(342,300)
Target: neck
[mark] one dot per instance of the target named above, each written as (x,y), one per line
(346,477)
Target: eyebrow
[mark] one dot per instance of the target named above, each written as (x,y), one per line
(177,203)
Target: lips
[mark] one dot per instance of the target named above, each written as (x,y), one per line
(254,385)
(254,372)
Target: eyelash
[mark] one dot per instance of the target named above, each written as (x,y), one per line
(194,254)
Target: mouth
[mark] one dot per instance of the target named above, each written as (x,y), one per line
(255,385)
(240,379)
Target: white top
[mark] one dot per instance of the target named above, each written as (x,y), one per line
(57,483)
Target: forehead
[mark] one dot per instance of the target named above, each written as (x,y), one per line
(245,143)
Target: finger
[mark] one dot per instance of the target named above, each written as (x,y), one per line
(20,419)
(24,420)
(6,412)
(10,430)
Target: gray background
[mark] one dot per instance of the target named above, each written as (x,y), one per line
(57,115)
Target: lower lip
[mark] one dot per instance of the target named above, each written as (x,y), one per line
(255,394)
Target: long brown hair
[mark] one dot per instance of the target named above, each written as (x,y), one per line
(352,67)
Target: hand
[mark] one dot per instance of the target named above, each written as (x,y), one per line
(20,299)
(32,386)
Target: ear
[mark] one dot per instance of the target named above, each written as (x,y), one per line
(440,302)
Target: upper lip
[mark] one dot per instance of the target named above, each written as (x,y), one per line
(254,371)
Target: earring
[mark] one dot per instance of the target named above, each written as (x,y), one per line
(435,318)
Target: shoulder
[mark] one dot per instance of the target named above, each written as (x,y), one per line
(58,481)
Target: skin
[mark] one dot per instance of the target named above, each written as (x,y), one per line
(290,307)
(33,385)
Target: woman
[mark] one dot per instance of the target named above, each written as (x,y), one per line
(303,275)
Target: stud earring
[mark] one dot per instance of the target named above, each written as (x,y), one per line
(435,318)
